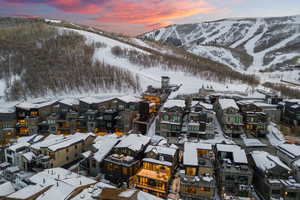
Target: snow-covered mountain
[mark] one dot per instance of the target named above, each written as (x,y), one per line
(247,44)
(141,62)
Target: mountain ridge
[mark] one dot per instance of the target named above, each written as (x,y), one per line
(261,38)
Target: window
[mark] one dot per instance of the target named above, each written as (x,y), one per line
(75,146)
(276,192)
(229,178)
(243,180)
(67,150)
(191,171)
(67,158)
(166,117)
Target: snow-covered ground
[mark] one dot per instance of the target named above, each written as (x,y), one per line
(257,37)
(275,136)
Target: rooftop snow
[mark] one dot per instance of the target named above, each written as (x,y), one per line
(127,193)
(265,161)
(253,142)
(190,156)
(29,156)
(207,106)
(104,145)
(172,103)
(160,162)
(129,98)
(135,142)
(48,141)
(95,100)
(239,155)
(7,110)
(27,192)
(291,150)
(31,105)
(70,101)
(161,150)
(17,146)
(6,189)
(70,140)
(51,176)
(228,103)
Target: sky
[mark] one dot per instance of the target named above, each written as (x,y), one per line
(133,17)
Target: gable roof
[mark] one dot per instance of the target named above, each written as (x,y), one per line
(135,142)
(228,103)
(161,150)
(265,161)
(291,150)
(104,145)
(174,103)
(118,194)
(6,188)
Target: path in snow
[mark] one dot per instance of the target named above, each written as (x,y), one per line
(249,34)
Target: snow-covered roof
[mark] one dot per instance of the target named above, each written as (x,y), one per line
(27,192)
(161,150)
(207,106)
(6,188)
(87,154)
(135,142)
(51,176)
(7,110)
(31,105)
(190,156)
(70,101)
(228,103)
(13,169)
(48,141)
(26,138)
(174,102)
(70,140)
(63,182)
(252,142)
(129,99)
(95,100)
(146,196)
(291,150)
(104,145)
(92,191)
(239,155)
(265,105)
(29,156)
(265,161)
(160,162)
(17,146)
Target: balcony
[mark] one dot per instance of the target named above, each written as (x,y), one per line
(121,159)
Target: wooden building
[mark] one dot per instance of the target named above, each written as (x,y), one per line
(8,123)
(254,119)
(228,114)
(270,176)
(169,123)
(198,180)
(159,163)
(234,176)
(125,158)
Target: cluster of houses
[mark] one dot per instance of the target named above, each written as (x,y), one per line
(102,148)
(99,115)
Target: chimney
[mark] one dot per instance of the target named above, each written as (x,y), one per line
(44,180)
(56,183)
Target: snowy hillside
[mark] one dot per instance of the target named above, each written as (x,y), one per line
(249,44)
(151,76)
(76,69)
